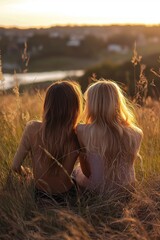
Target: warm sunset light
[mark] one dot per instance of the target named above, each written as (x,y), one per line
(37,13)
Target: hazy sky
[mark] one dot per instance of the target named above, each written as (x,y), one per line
(26,13)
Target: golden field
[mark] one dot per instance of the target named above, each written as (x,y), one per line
(93,217)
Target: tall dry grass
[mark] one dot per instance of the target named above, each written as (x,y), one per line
(93,217)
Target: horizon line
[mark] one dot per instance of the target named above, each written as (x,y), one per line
(80,25)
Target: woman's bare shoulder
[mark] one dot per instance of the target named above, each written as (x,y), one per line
(136,133)
(33,124)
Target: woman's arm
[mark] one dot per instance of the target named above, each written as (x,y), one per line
(84,164)
(22,151)
(82,156)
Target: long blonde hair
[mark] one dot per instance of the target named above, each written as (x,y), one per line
(62,109)
(111,122)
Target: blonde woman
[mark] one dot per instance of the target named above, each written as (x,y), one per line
(53,143)
(110,139)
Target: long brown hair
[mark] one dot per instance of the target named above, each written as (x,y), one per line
(62,109)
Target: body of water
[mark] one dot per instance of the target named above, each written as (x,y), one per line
(10,80)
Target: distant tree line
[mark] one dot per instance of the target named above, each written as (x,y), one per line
(88,47)
(42,45)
